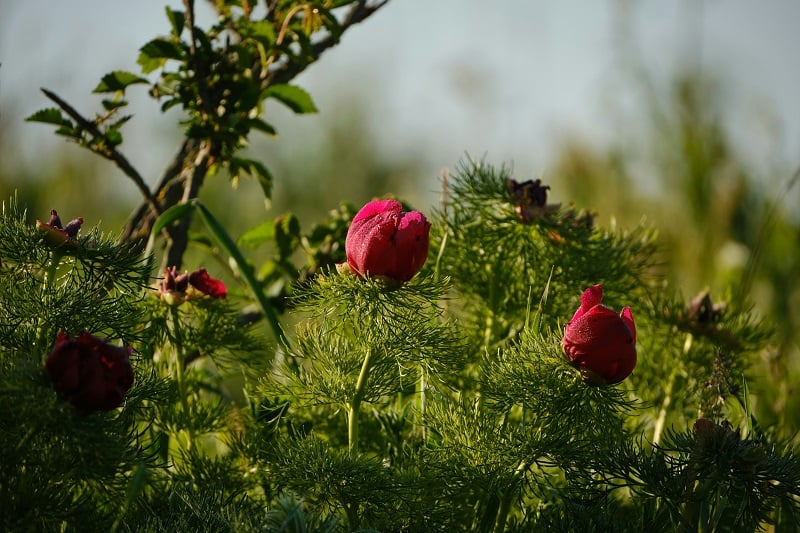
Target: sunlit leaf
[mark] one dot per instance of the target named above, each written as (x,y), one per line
(155,53)
(261,31)
(171,215)
(117,81)
(110,105)
(50,115)
(258,235)
(177,20)
(254,168)
(293,97)
(113,137)
(260,125)
(287,234)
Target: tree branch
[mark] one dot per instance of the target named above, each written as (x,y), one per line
(358,13)
(192,180)
(108,152)
(168,192)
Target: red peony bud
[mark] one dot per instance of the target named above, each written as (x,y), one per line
(383,241)
(89,372)
(204,283)
(600,342)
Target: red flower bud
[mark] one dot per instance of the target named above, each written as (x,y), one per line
(600,342)
(384,241)
(89,372)
(204,283)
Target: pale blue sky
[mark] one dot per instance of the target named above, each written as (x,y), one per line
(506,79)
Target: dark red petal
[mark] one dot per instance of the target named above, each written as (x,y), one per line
(627,318)
(599,326)
(370,245)
(412,245)
(89,372)
(204,283)
(590,297)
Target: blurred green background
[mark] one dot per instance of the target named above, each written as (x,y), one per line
(681,115)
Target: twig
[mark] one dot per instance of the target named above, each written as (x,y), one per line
(358,13)
(108,152)
(194,177)
(172,187)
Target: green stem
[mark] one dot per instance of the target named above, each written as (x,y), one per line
(423,401)
(505,504)
(355,403)
(49,281)
(50,273)
(179,368)
(662,413)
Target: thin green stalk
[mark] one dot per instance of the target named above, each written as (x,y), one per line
(505,504)
(423,400)
(355,403)
(662,413)
(49,281)
(179,370)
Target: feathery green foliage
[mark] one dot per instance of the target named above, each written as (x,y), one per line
(445,403)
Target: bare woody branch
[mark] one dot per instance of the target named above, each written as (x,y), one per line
(106,151)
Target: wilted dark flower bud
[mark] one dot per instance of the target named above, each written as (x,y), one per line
(54,233)
(703,311)
(530,199)
(383,241)
(600,342)
(174,287)
(89,372)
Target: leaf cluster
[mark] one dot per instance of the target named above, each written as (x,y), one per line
(498,261)
(402,330)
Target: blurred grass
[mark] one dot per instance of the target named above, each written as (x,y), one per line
(724,226)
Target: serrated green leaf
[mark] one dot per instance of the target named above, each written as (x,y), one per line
(111,105)
(50,115)
(293,97)
(148,63)
(255,168)
(113,137)
(69,131)
(121,120)
(155,53)
(258,235)
(262,31)
(177,19)
(172,102)
(117,80)
(260,125)
(287,234)
(265,180)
